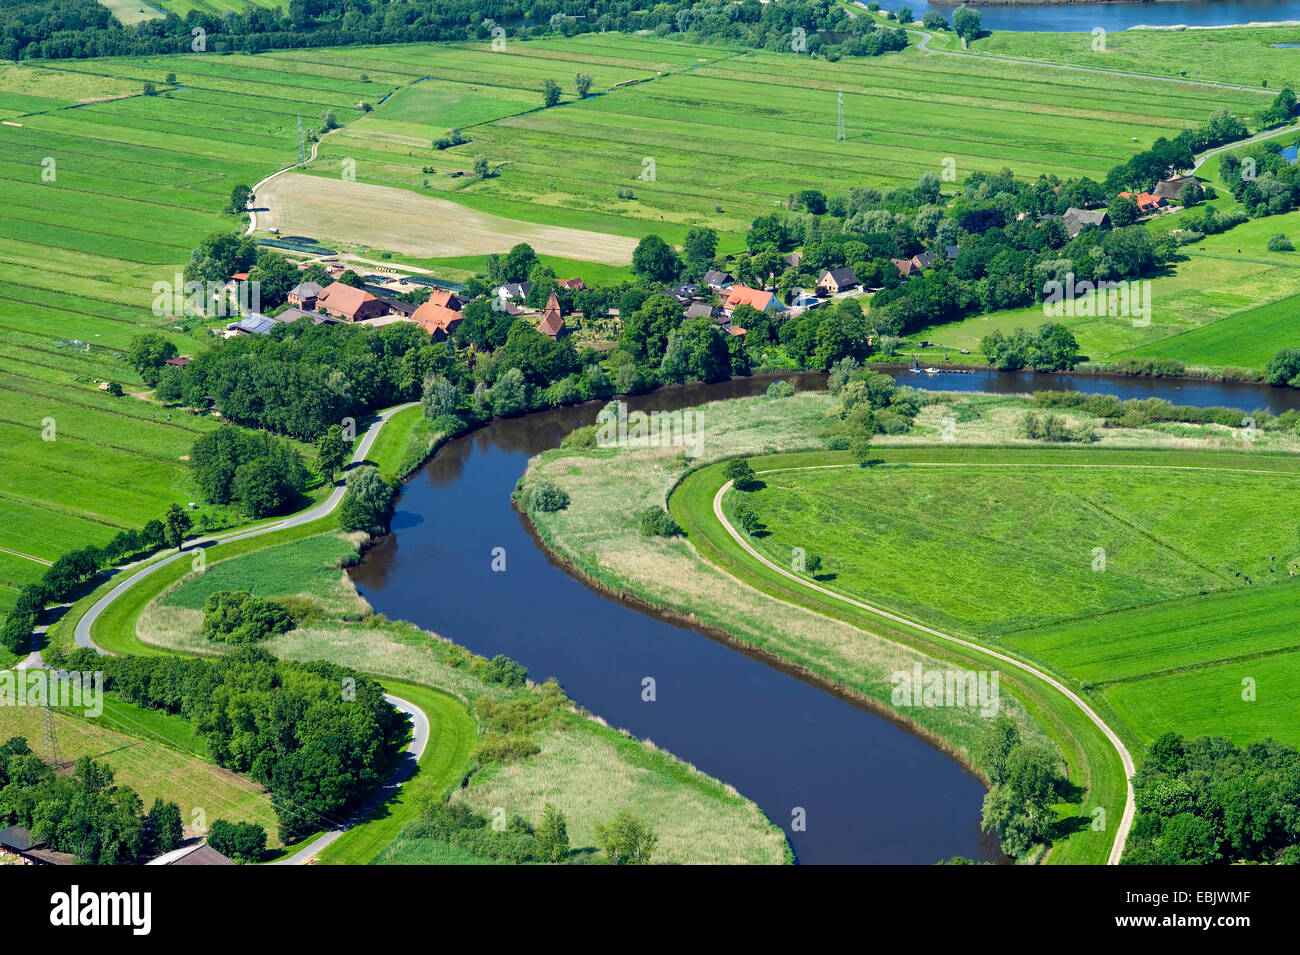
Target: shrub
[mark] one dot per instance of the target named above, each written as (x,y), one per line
(501,669)
(548,497)
(241,841)
(236,616)
(780,389)
(1280,243)
(739,472)
(656,522)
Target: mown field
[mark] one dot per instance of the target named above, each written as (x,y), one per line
(1196,592)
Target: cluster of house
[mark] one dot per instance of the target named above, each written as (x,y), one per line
(375,305)
(697,297)
(551,323)
(20,843)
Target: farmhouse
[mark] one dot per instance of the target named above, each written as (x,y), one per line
(922,260)
(1076,220)
(304,295)
(685,292)
(699,310)
(514,290)
(744,295)
(351,304)
(438,320)
(905,267)
(718,280)
(834,281)
(576,285)
(178,362)
(1168,189)
(552,322)
(1146,202)
(447,299)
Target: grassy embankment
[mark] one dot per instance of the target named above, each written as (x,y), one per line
(857,651)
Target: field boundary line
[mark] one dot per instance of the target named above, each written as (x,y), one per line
(1126,820)
(17,553)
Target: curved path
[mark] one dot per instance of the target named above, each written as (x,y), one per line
(404,771)
(87,621)
(1126,820)
(419,721)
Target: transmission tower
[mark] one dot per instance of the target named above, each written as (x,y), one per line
(302,145)
(51,733)
(839,132)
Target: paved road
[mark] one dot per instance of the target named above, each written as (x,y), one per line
(1126,821)
(87,622)
(404,771)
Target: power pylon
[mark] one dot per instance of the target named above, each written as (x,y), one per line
(839,132)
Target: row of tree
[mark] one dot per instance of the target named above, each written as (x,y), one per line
(320,737)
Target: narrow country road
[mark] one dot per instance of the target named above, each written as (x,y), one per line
(1126,820)
(405,770)
(419,721)
(87,622)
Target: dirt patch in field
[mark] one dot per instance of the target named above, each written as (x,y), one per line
(384,217)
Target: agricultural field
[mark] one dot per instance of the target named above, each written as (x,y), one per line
(1235,56)
(1207,308)
(687,108)
(104,198)
(1155,582)
(145,755)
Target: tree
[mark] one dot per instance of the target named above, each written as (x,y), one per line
(966,23)
(904,14)
(582,82)
(1123,211)
(147,354)
(509,395)
(328,120)
(655,260)
(240,197)
(739,472)
(440,397)
(625,840)
(163,827)
(265,486)
(331,452)
(699,249)
(350,277)
(176,524)
(995,743)
(149,89)
(368,502)
(274,276)
(518,263)
(170,79)
(550,92)
(241,841)
(552,834)
(481,168)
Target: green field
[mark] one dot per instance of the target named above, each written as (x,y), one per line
(1194,594)
(694,106)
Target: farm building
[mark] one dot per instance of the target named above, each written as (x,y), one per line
(834,281)
(576,285)
(254,323)
(514,290)
(200,853)
(1168,189)
(178,362)
(699,310)
(438,320)
(20,841)
(905,267)
(1077,219)
(922,260)
(351,304)
(304,295)
(1146,202)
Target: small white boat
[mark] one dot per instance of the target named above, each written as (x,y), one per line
(932,371)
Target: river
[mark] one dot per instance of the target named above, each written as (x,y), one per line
(872,791)
(1112,17)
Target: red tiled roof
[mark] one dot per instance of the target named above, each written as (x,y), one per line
(744,295)
(436,318)
(344,299)
(735,331)
(571,283)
